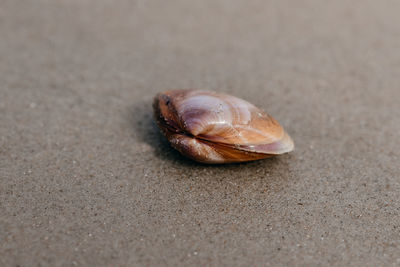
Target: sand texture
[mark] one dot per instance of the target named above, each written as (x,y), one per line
(86,179)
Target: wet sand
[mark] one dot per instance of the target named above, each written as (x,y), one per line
(86,179)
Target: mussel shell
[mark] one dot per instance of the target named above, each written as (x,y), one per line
(212,127)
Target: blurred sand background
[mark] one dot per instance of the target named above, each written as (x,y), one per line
(87,180)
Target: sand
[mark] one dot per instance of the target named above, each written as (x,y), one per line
(86,179)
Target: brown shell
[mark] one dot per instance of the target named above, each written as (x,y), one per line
(218,128)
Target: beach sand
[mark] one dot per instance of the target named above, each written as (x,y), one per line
(87,179)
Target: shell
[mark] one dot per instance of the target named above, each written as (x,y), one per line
(211,127)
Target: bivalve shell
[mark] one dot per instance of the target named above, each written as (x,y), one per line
(212,127)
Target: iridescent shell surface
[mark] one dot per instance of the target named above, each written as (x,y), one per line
(211,127)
